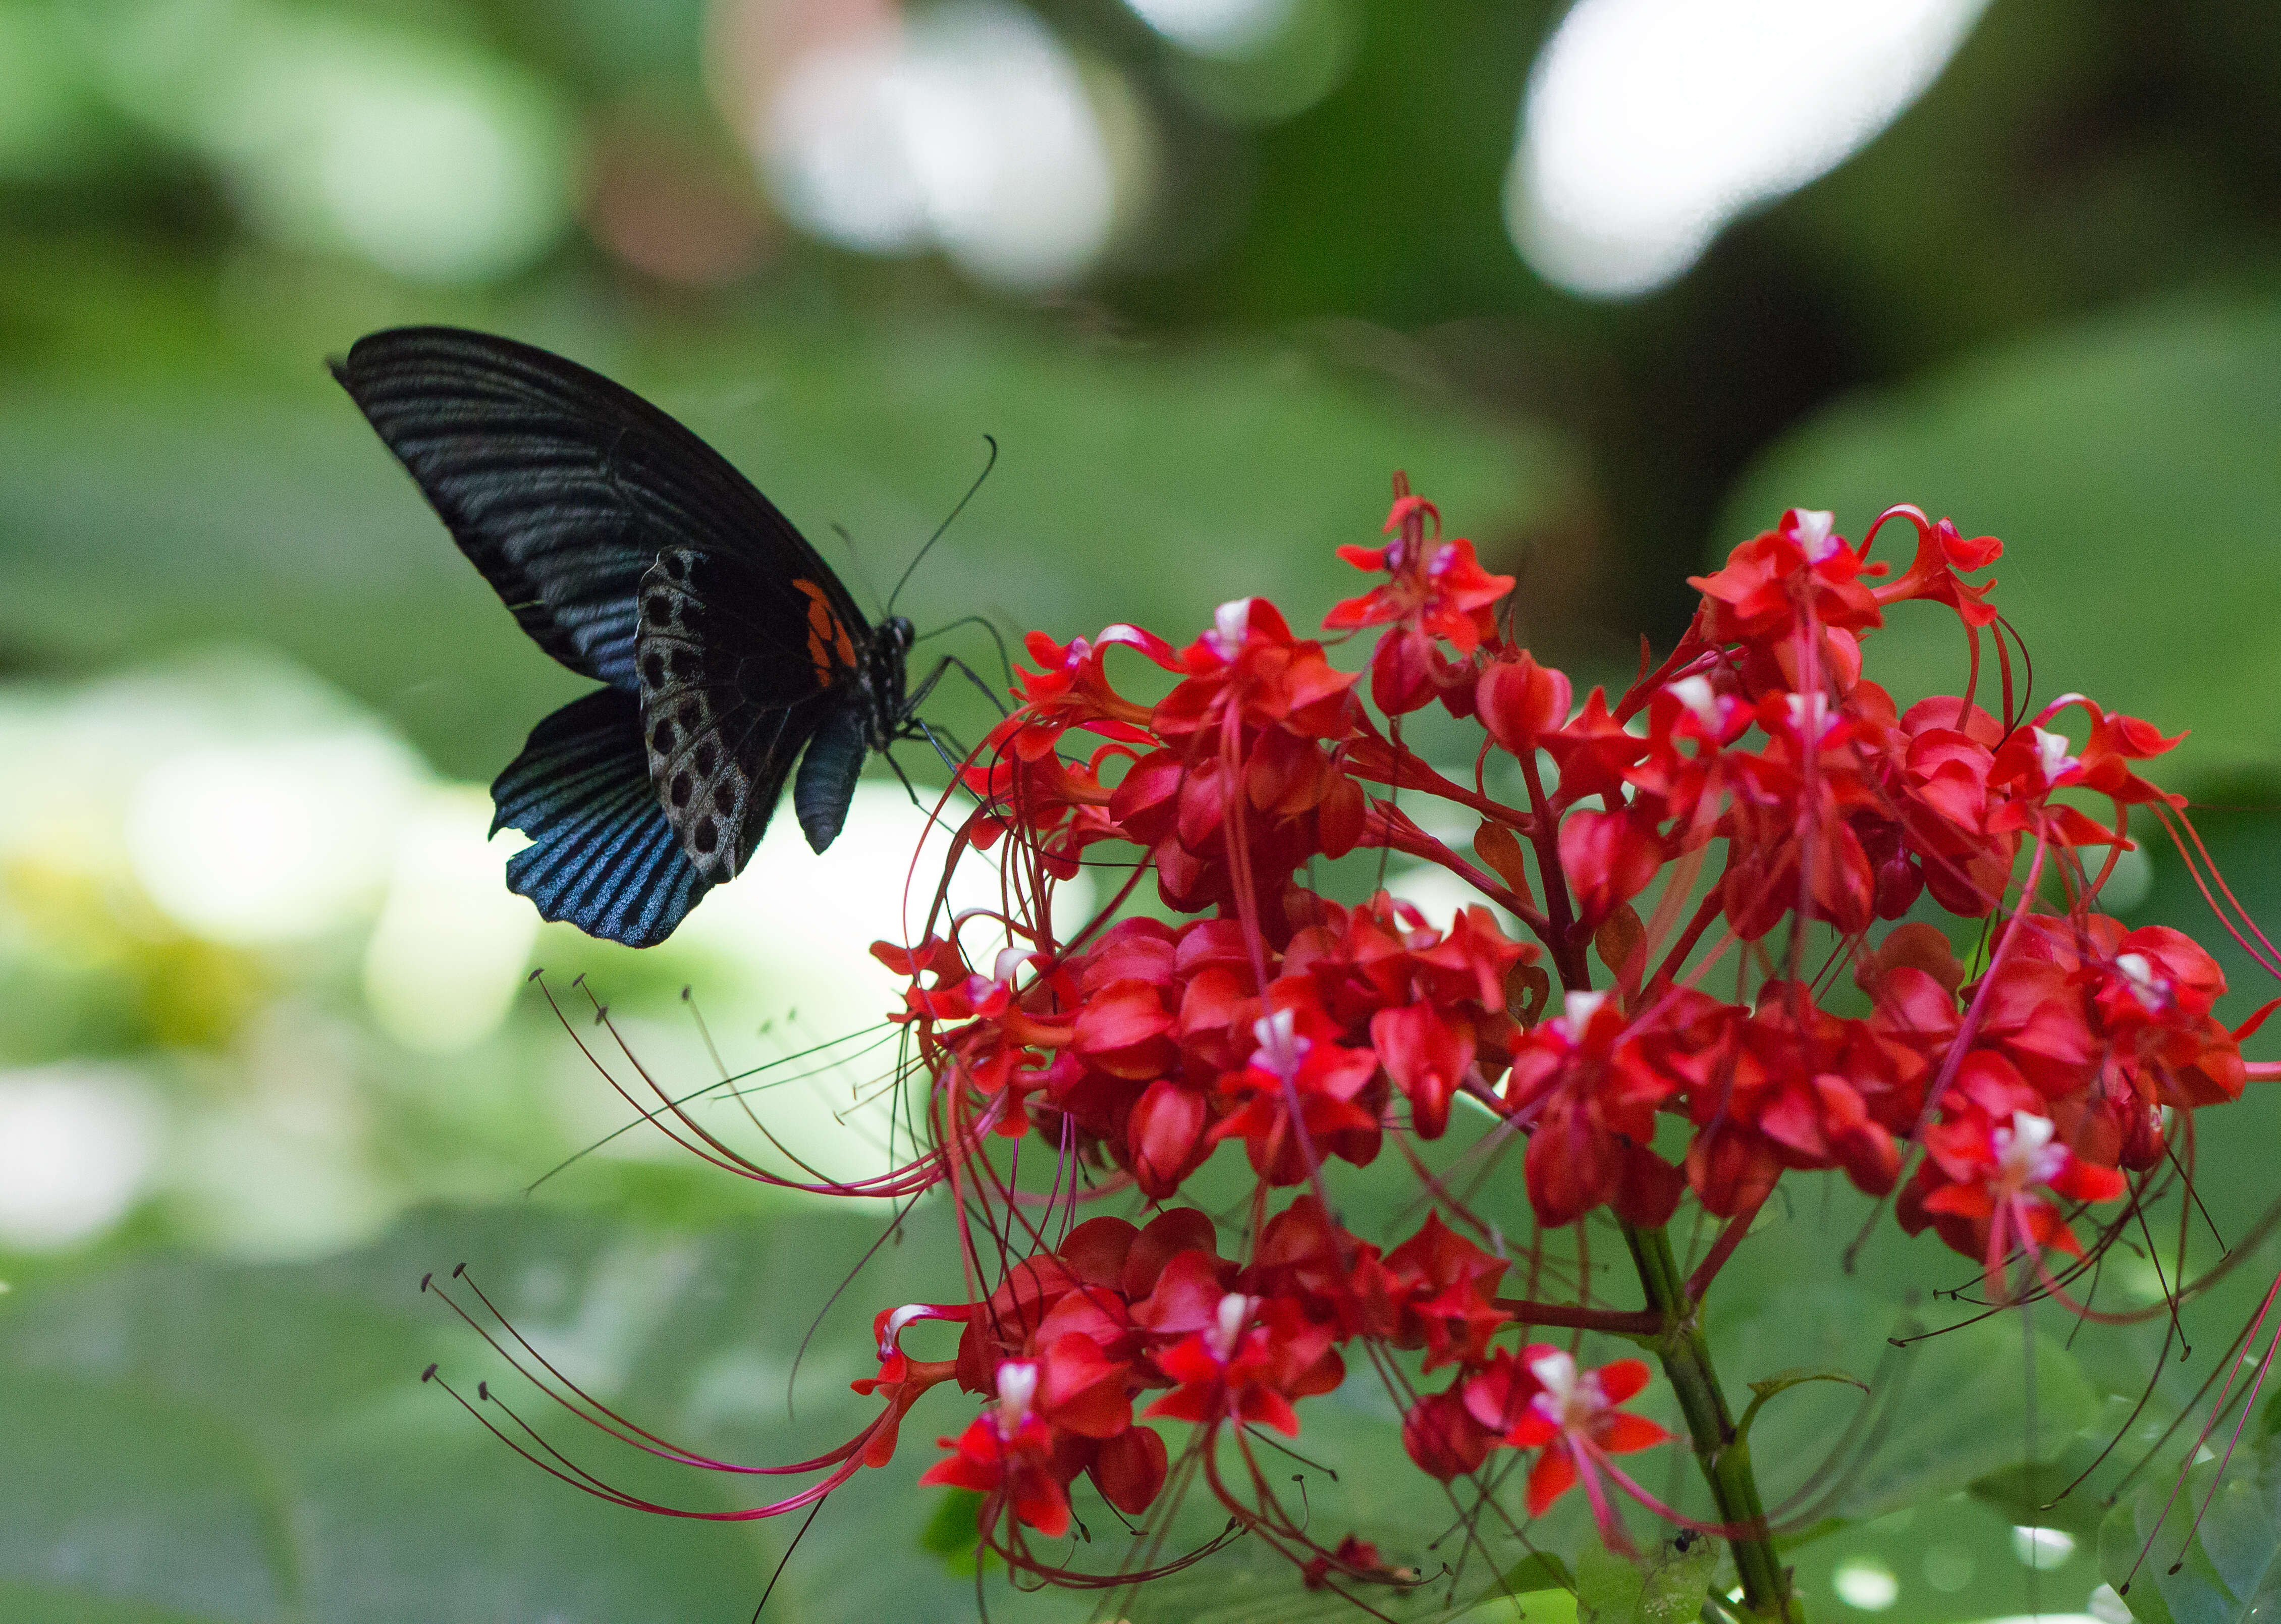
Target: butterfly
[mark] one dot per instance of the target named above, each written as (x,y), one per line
(634,553)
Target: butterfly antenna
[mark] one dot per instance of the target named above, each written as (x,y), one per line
(856,560)
(991,462)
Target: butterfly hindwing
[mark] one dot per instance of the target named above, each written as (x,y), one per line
(603,855)
(561,487)
(735,681)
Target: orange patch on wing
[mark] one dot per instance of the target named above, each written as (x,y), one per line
(826,636)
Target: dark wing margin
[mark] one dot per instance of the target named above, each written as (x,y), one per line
(602,853)
(561,486)
(826,786)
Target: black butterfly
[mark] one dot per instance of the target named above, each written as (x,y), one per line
(631,552)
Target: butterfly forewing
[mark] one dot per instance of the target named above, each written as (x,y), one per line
(561,487)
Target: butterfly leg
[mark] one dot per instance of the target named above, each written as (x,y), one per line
(988,625)
(910,788)
(943,667)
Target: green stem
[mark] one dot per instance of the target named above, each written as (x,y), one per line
(1725,1458)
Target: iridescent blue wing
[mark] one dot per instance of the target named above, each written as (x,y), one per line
(603,853)
(561,487)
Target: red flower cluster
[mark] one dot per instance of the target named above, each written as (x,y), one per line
(1754,779)
(1755,773)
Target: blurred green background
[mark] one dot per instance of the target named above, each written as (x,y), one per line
(1614,286)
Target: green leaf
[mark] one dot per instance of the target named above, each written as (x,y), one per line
(2227,1558)
(1677,1582)
(2119,1544)
(1540,1571)
(1667,1586)
(191,1442)
(2128,464)
(1954,1408)
(2035,1497)
(1609,1586)
(954,1532)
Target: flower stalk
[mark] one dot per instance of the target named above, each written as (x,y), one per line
(1722,1452)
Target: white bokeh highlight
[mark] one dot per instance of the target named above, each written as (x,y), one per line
(449,952)
(271,841)
(76,1146)
(1216,28)
(969,129)
(1649,125)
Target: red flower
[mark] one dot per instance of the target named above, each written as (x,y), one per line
(1540,1400)
(1434,1291)
(1979,1182)
(1248,1364)
(1355,1558)
(1763,802)
(1589,1100)
(1801,563)
(1302,1097)
(1437,593)
(1008,1454)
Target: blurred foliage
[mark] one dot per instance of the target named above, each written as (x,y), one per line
(2131,469)
(2042,302)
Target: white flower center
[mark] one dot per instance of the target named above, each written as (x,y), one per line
(1228,1326)
(2151,990)
(1017,1389)
(1699,696)
(1009,965)
(1230,625)
(1577,1010)
(1815,532)
(1569,1399)
(1281,1049)
(897,1320)
(2025,1153)
(2052,754)
(1810,714)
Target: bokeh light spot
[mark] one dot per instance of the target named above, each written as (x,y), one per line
(1949,1568)
(272,842)
(971,129)
(1865,1582)
(1216,28)
(448,955)
(2042,1549)
(75,1147)
(1649,124)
